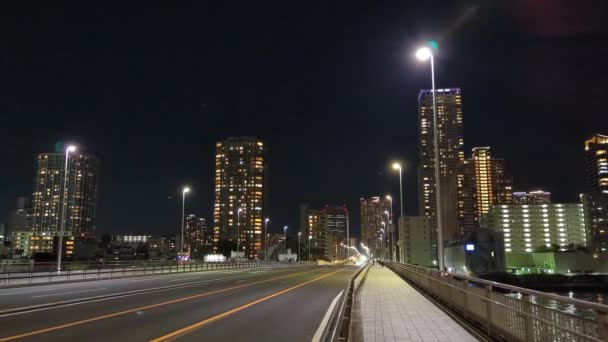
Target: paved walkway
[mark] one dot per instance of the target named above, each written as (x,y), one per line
(391,310)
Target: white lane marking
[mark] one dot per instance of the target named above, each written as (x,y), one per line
(145,279)
(241,281)
(101,298)
(12,293)
(63,293)
(321,328)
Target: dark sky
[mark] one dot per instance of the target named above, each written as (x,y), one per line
(330,86)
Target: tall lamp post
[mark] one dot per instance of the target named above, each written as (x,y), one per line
(424,54)
(383,230)
(299,234)
(397,166)
(390,230)
(69,149)
(390,200)
(309,246)
(285,240)
(238,233)
(266,238)
(185,190)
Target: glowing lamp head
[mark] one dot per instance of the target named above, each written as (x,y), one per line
(71,148)
(285,228)
(423,54)
(299,234)
(186,190)
(240,210)
(267,220)
(309,237)
(388,197)
(396,166)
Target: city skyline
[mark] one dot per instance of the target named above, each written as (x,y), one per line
(156,157)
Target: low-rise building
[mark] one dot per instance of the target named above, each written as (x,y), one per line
(529,227)
(416,241)
(479,252)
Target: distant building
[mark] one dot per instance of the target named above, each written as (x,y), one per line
(416,241)
(336,217)
(239,183)
(20,225)
(596,157)
(527,228)
(451,145)
(80,197)
(479,252)
(485,183)
(596,201)
(197,237)
(373,221)
(316,228)
(532,197)
(132,240)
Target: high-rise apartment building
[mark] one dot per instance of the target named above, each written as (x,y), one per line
(596,201)
(316,229)
(532,197)
(239,184)
(451,156)
(336,217)
(528,227)
(372,217)
(596,156)
(78,190)
(197,237)
(485,183)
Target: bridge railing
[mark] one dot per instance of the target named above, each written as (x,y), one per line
(98,271)
(510,313)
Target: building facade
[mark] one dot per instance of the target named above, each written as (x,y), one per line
(239,184)
(374,219)
(197,237)
(80,198)
(596,201)
(336,217)
(485,184)
(532,197)
(416,241)
(451,151)
(527,228)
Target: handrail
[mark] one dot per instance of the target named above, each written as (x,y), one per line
(515,319)
(578,302)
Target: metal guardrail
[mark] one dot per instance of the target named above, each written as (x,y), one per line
(339,322)
(121,270)
(486,305)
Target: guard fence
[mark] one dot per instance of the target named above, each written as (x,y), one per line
(510,313)
(45,273)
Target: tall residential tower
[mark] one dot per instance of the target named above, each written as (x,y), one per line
(239,184)
(451,156)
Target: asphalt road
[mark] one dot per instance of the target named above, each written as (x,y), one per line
(235,305)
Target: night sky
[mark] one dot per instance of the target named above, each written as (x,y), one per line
(331,88)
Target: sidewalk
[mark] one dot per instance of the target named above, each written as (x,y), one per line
(391,310)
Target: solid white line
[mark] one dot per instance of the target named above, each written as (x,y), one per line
(62,293)
(12,293)
(86,300)
(321,328)
(145,279)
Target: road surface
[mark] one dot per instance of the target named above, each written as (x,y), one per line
(235,305)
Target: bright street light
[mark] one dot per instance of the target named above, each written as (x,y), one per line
(285,240)
(69,149)
(396,166)
(423,54)
(299,234)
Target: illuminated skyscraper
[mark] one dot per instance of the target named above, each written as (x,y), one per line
(372,216)
(239,183)
(596,201)
(451,152)
(47,199)
(596,156)
(336,217)
(197,237)
(485,184)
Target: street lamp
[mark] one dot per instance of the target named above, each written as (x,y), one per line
(185,190)
(299,234)
(266,235)
(309,246)
(285,240)
(238,232)
(384,234)
(69,149)
(390,230)
(424,54)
